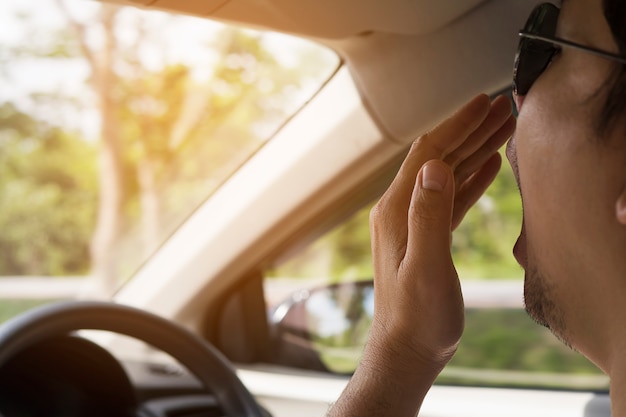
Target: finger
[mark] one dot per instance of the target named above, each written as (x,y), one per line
(499,113)
(478,158)
(435,144)
(427,272)
(469,193)
(388,248)
(448,135)
(388,218)
(429,220)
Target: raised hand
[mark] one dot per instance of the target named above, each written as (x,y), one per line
(418,317)
(417,290)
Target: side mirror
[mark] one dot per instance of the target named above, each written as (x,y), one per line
(324,328)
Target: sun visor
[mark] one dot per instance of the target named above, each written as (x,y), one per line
(435,73)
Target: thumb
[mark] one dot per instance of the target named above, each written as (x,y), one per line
(430,217)
(428,261)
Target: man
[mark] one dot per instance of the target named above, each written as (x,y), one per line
(569,157)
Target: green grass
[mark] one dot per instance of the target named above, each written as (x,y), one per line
(522,379)
(499,348)
(507,339)
(505,347)
(13,307)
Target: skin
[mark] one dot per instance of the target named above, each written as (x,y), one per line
(572,244)
(573,240)
(416,284)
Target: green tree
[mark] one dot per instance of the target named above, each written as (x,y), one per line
(163,131)
(47,197)
(166,139)
(482,244)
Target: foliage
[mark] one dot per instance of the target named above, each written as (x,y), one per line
(11,308)
(509,339)
(499,347)
(47,197)
(188,136)
(171,137)
(481,245)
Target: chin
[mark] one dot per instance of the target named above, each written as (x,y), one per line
(541,303)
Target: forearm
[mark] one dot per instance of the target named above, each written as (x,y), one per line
(383,385)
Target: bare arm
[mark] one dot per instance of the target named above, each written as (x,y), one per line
(418,314)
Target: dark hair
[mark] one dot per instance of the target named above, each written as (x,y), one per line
(614,110)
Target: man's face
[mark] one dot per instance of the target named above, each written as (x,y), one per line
(570,179)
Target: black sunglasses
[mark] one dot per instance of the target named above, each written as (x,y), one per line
(538,45)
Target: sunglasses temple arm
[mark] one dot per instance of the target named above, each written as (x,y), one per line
(566,43)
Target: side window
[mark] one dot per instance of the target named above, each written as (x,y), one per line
(321,303)
(322,300)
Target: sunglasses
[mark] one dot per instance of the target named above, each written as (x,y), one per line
(538,46)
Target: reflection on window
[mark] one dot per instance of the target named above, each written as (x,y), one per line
(324,328)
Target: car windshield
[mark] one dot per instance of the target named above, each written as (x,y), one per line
(116,124)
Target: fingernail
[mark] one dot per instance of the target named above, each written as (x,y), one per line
(434,177)
(620,209)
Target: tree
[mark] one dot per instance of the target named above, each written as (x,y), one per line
(167,139)
(482,243)
(47,196)
(150,117)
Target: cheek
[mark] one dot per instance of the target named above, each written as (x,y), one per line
(555,137)
(569,187)
(554,174)
(545,142)
(563,174)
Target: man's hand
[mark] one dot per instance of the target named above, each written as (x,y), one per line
(419,308)
(418,317)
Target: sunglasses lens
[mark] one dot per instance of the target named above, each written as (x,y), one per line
(533,56)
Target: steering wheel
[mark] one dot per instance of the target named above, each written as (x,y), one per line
(212,369)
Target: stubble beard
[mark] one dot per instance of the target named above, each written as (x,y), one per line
(541,307)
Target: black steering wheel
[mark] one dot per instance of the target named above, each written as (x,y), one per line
(211,368)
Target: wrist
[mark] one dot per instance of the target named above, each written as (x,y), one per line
(402,362)
(393,384)
(392,379)
(391,350)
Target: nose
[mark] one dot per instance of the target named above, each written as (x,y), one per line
(511,155)
(510,150)
(519,100)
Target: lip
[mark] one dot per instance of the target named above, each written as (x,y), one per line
(519,250)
